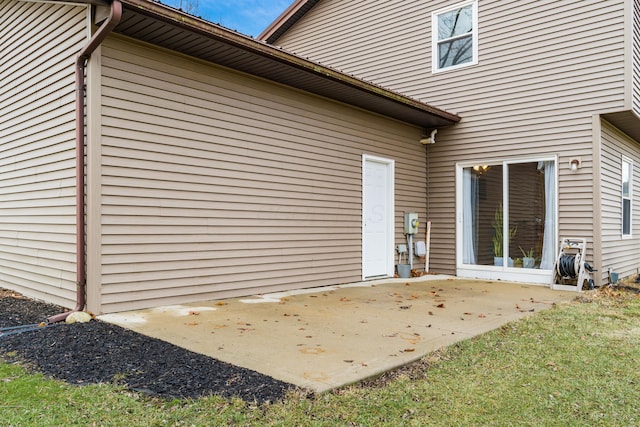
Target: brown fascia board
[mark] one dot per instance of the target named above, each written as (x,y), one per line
(282,23)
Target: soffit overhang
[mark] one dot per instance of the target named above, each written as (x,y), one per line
(627,121)
(170,28)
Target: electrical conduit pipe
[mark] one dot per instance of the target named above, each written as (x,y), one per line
(81,62)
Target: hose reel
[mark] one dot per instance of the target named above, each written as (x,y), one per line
(569,265)
(570,270)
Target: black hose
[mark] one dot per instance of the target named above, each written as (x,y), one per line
(567,266)
(12,330)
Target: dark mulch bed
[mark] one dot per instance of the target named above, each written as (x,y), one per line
(98,352)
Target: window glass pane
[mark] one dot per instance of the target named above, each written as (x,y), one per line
(455,52)
(626,216)
(527,211)
(455,22)
(626,175)
(482,196)
(627,191)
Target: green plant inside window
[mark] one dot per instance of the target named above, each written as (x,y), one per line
(498,235)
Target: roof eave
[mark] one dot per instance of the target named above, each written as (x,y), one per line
(93,2)
(628,121)
(396,105)
(282,23)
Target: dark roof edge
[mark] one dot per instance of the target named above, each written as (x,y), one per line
(283,22)
(93,2)
(166,13)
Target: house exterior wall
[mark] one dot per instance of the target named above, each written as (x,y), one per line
(38,44)
(215,184)
(636,57)
(537,84)
(620,254)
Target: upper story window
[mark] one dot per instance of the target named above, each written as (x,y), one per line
(455,36)
(627,196)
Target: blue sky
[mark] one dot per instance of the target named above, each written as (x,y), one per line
(246,16)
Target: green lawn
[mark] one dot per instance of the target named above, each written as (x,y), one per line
(576,364)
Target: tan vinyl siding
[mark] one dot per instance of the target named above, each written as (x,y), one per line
(636,58)
(216,183)
(537,84)
(368,39)
(621,255)
(38,43)
(390,42)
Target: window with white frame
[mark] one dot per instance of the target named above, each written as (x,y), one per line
(627,196)
(455,36)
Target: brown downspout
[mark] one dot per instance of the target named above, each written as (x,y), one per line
(81,62)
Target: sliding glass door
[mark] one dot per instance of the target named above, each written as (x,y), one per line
(507,215)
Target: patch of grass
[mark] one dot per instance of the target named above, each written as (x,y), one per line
(574,364)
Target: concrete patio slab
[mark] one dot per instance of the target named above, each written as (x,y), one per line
(324,338)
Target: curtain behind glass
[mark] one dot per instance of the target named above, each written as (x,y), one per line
(549,242)
(469,194)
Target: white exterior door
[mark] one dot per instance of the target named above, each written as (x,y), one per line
(377,217)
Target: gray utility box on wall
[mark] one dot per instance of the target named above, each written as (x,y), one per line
(410,223)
